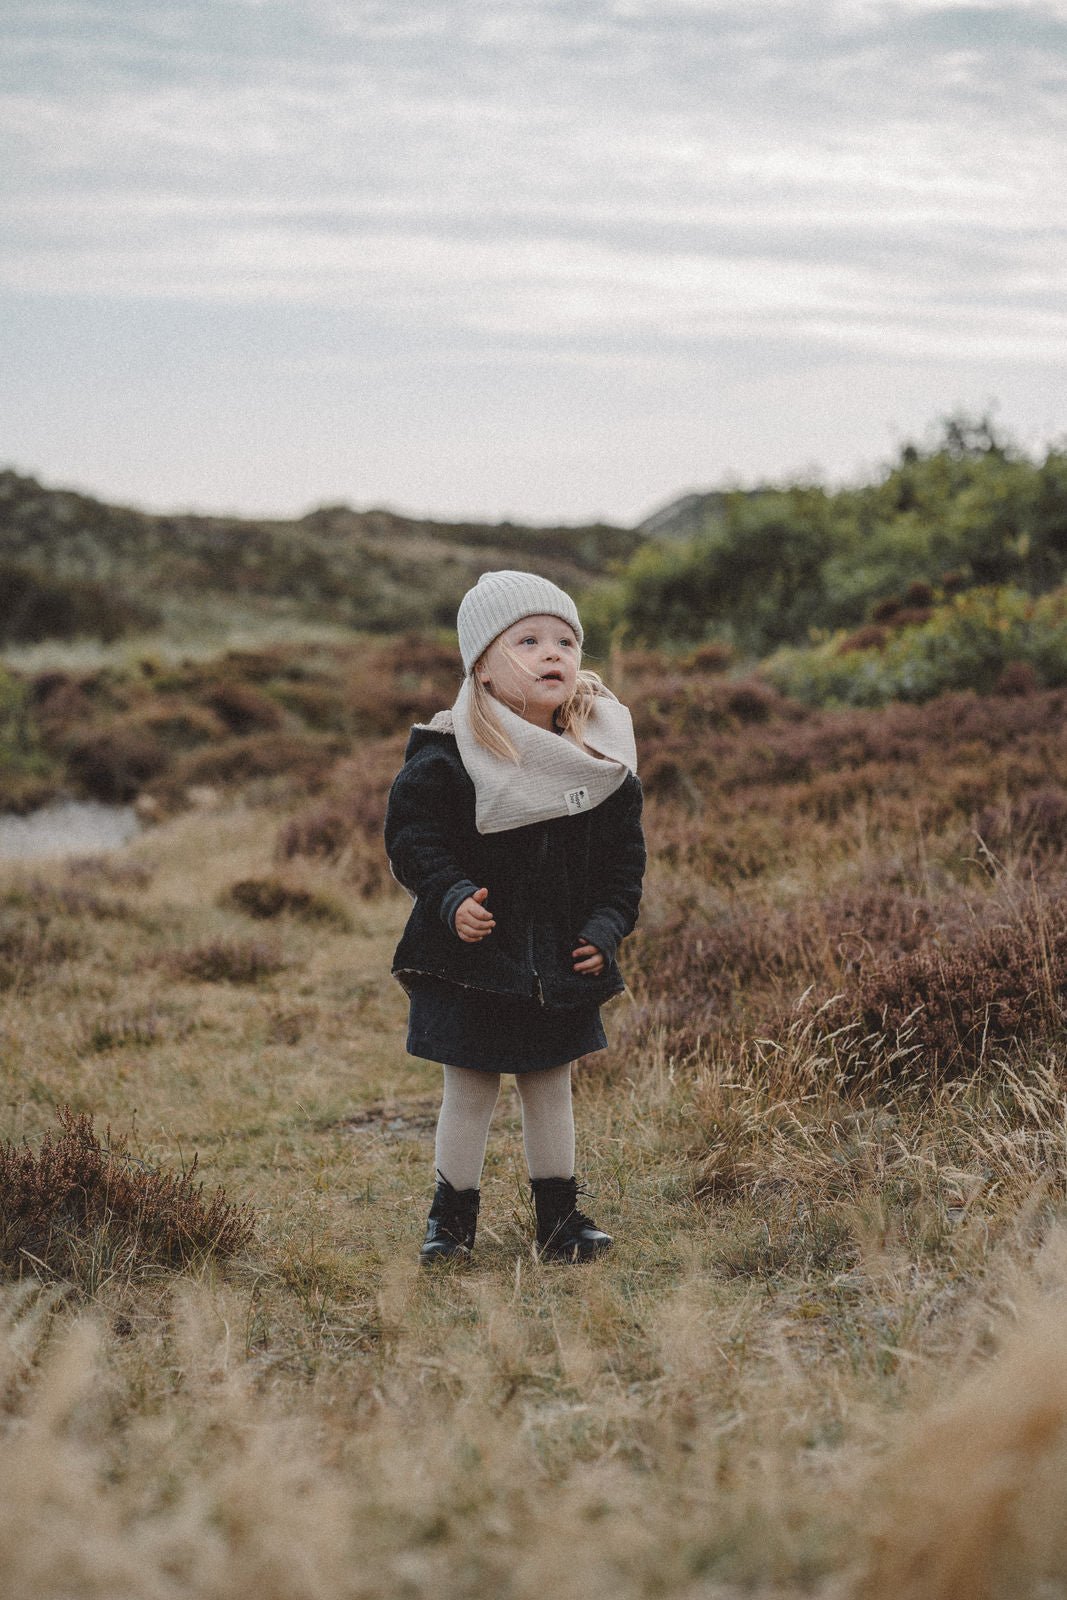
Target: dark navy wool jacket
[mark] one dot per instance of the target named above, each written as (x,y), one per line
(552,885)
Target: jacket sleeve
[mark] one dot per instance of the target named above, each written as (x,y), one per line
(418,839)
(619,867)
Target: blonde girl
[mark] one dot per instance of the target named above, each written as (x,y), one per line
(515,823)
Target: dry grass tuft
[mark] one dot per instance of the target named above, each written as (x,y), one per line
(971,1503)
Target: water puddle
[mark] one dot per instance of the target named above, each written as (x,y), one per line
(67,828)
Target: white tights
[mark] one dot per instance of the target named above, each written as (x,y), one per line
(467,1109)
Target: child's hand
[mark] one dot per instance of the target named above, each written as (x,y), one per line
(472,921)
(592,959)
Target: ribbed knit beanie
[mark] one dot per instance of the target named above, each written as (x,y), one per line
(500,598)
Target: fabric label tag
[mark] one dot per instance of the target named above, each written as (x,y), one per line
(577,800)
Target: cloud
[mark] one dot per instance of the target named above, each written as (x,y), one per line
(555,180)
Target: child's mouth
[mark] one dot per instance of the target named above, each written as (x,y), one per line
(551,677)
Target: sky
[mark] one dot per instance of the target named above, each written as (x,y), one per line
(553,260)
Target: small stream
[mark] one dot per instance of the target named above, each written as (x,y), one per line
(67,828)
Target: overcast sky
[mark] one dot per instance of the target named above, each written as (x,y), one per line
(551,259)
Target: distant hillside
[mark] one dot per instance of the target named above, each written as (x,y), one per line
(687,517)
(372,569)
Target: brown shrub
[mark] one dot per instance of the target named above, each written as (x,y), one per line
(912,616)
(320,705)
(711,657)
(113,1030)
(29,946)
(1017,677)
(57,698)
(242,708)
(871,637)
(346,825)
(226,961)
(180,724)
(321,830)
(114,762)
(304,758)
(1035,823)
(997,986)
(266,898)
(82,1207)
(46,901)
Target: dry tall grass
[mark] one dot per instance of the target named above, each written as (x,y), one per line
(824,1358)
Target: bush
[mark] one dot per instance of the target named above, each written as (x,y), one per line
(114,762)
(82,1207)
(38,607)
(242,708)
(303,758)
(969,643)
(226,961)
(266,898)
(26,771)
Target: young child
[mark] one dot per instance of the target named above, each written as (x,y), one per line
(515,823)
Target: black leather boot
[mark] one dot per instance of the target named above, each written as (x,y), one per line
(563,1232)
(451,1224)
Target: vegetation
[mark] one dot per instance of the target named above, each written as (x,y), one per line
(67,559)
(984,639)
(770,567)
(825,1357)
(81,1207)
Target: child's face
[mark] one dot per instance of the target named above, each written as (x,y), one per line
(532,667)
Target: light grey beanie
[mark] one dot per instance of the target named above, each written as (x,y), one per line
(500,598)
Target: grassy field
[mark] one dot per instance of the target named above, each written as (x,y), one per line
(826,1356)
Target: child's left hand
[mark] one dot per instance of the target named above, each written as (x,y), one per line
(592,959)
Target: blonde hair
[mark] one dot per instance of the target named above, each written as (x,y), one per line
(572,716)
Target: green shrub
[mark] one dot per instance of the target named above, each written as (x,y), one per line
(969,643)
(26,771)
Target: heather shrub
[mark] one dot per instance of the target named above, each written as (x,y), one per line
(115,761)
(266,898)
(242,708)
(345,825)
(180,724)
(957,1000)
(30,946)
(304,759)
(226,961)
(82,1208)
(46,901)
(1034,824)
(319,705)
(714,656)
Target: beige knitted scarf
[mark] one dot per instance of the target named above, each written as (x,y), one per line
(555,777)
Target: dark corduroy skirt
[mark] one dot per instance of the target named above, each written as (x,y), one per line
(497,1032)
